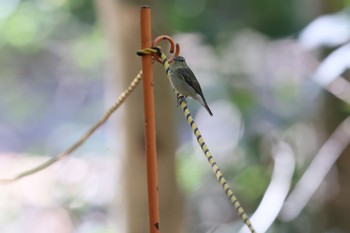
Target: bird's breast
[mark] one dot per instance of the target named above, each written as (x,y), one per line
(180,85)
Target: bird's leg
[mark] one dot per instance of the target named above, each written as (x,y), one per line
(180,99)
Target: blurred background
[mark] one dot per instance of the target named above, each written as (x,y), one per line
(275,75)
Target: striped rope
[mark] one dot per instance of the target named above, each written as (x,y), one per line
(219,176)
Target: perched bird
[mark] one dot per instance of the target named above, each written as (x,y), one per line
(184,81)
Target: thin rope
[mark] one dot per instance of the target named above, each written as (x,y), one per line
(83,139)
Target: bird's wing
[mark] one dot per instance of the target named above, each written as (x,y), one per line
(190,79)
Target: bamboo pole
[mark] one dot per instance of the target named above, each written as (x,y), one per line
(150,131)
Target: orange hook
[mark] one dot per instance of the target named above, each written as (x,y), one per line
(174,48)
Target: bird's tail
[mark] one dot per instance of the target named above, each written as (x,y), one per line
(203,102)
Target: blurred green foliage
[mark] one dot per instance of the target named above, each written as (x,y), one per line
(211,18)
(49,46)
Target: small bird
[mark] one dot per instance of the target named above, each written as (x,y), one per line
(184,81)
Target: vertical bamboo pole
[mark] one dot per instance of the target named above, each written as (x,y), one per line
(150,131)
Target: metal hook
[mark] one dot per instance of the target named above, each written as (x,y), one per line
(174,48)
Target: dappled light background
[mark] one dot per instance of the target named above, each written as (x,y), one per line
(275,75)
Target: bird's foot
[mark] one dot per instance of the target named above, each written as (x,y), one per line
(180,99)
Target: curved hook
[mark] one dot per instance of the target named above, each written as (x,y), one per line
(174,48)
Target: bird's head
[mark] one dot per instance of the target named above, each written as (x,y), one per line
(179,59)
(179,62)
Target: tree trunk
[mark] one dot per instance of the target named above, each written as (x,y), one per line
(120,21)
